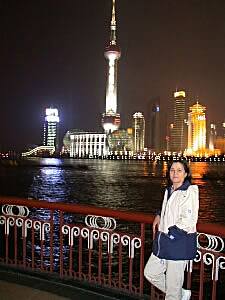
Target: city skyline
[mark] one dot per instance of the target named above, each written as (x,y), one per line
(54,55)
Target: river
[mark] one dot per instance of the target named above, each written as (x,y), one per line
(127,185)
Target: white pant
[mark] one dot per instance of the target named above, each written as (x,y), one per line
(166,275)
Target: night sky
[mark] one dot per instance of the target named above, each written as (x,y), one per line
(52,53)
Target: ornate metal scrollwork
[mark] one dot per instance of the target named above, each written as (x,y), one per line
(135,244)
(15,210)
(100,222)
(131,243)
(10,222)
(220,265)
(42,227)
(212,244)
(71,232)
(2,220)
(115,239)
(111,239)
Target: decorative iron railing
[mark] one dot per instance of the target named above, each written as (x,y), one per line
(100,246)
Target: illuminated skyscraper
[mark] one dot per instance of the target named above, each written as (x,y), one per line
(197,129)
(154,138)
(223,126)
(111,119)
(212,136)
(177,140)
(138,132)
(51,135)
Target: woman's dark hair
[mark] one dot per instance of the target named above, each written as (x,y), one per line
(186,169)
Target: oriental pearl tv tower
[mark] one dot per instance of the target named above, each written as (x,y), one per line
(111,119)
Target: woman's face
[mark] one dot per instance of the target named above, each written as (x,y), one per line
(177,173)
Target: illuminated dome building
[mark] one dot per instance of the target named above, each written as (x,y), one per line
(111,119)
(120,140)
(51,131)
(197,130)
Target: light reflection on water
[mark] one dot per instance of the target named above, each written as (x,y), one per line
(129,185)
(126,185)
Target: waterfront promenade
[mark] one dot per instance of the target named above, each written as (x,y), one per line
(14,285)
(11,291)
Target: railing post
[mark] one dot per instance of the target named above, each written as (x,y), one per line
(99,261)
(214,279)
(142,259)
(120,266)
(89,264)
(80,257)
(110,262)
(32,247)
(15,245)
(130,273)
(42,252)
(51,239)
(24,245)
(61,243)
(189,272)
(7,244)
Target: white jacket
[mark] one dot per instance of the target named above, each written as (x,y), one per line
(181,209)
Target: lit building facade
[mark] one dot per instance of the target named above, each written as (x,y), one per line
(51,128)
(223,127)
(197,129)
(120,140)
(154,124)
(212,136)
(219,146)
(219,142)
(138,132)
(111,119)
(81,144)
(177,138)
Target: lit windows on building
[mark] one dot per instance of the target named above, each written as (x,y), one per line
(85,144)
(212,136)
(154,126)
(179,94)
(138,132)
(110,122)
(197,129)
(120,140)
(223,127)
(51,136)
(177,140)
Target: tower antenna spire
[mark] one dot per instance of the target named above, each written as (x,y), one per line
(113,24)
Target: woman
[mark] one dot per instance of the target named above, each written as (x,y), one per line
(175,242)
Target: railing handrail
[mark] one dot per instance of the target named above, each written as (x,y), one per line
(82,209)
(208,228)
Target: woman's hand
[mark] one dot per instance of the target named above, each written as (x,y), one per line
(156,223)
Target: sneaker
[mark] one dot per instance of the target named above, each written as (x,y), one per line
(186,294)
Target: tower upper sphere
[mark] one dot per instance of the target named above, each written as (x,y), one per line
(112,48)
